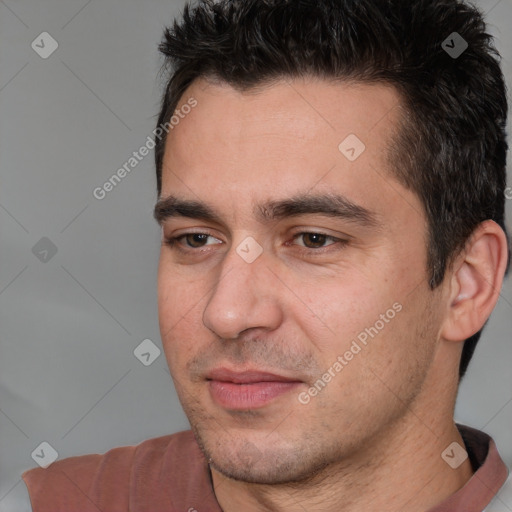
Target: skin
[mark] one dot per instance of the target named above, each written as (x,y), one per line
(372,438)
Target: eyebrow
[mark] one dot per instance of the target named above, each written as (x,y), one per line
(330,205)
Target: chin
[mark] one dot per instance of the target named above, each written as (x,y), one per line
(267,471)
(263,463)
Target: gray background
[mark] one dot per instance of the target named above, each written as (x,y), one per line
(69,326)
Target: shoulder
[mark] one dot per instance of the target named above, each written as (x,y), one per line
(109,481)
(502,500)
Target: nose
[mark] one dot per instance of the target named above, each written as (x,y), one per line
(244,297)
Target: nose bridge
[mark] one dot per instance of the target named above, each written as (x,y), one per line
(239,299)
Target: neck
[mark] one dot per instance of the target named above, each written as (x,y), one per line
(402,470)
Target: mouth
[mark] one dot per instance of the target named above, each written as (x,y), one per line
(249,389)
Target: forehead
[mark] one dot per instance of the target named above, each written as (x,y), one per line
(293,135)
(306,108)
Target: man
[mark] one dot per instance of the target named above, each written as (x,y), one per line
(331,180)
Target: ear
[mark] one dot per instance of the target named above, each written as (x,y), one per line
(475,282)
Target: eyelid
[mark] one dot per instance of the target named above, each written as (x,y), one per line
(296,232)
(198,232)
(173,241)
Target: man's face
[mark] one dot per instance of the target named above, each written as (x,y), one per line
(279,295)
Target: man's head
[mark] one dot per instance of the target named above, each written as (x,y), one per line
(451,146)
(344,119)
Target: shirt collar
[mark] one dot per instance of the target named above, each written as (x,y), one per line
(490,473)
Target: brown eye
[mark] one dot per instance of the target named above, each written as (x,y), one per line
(195,239)
(315,240)
(314,243)
(192,241)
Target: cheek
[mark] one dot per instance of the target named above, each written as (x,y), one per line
(365,325)
(178,303)
(342,309)
(396,355)
(177,294)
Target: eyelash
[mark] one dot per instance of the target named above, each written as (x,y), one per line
(174,243)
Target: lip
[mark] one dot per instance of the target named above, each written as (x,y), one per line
(249,389)
(246,377)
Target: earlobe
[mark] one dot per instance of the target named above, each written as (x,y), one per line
(476,281)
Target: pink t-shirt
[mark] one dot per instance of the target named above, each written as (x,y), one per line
(170,474)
